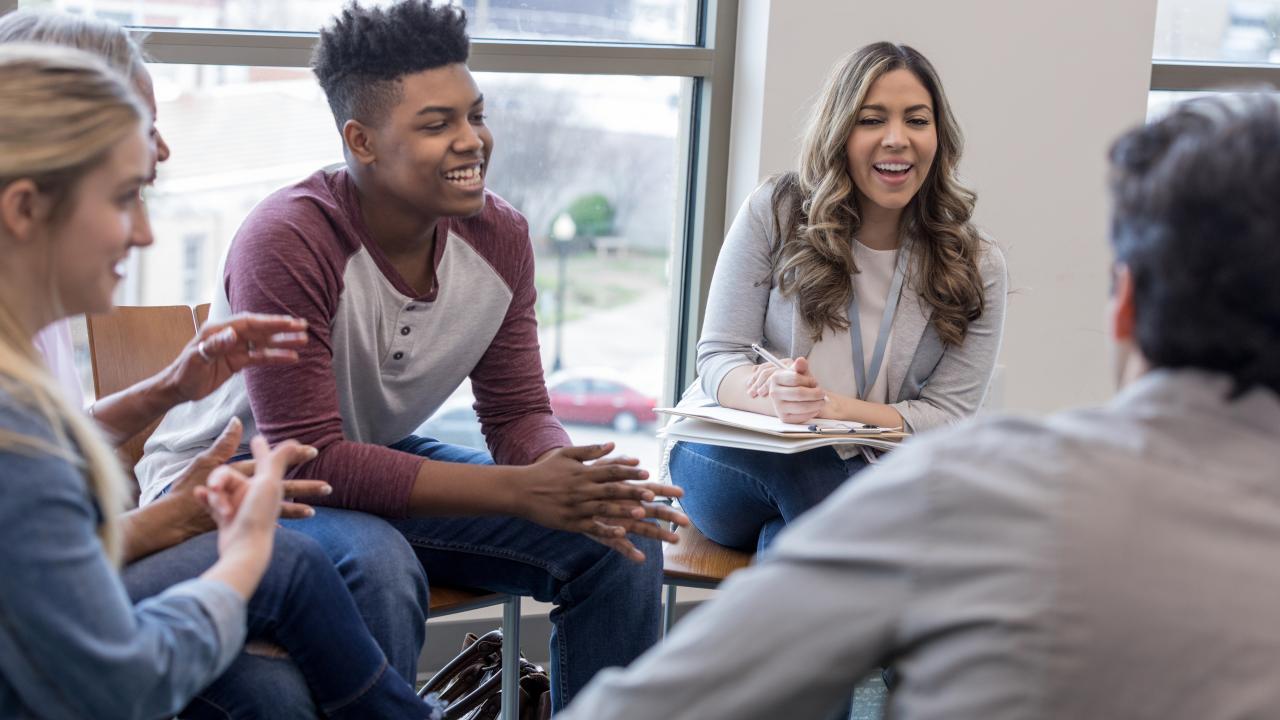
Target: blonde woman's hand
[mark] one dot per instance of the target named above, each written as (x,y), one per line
(246,508)
(796,395)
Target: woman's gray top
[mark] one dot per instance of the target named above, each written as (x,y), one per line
(932,384)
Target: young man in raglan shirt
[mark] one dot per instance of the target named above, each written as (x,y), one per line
(412,278)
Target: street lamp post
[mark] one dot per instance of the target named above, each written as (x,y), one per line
(563,230)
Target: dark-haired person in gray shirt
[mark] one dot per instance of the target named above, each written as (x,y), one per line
(1117,562)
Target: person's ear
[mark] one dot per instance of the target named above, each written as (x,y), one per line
(360,142)
(1122,313)
(23,209)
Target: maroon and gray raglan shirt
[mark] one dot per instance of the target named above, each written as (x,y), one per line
(382,358)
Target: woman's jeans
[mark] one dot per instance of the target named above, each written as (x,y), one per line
(608,609)
(302,605)
(743,498)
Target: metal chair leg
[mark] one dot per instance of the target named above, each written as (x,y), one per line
(669,610)
(511,658)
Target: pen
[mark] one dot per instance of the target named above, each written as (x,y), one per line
(768,356)
(864,430)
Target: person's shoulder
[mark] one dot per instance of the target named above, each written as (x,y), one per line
(309,219)
(761,200)
(1000,454)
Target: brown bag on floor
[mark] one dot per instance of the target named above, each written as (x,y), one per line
(471,683)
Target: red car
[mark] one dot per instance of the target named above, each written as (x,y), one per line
(578,397)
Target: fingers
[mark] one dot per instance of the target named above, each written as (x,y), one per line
(266,339)
(218,493)
(307,488)
(758,386)
(259,327)
(791,378)
(228,442)
(617,460)
(797,413)
(613,473)
(645,528)
(296,511)
(622,545)
(584,453)
(801,365)
(667,513)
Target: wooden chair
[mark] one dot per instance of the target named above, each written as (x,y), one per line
(131,344)
(696,562)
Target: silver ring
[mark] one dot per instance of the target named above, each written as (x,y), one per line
(200,351)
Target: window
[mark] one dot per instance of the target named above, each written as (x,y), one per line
(671,22)
(1213,45)
(1245,31)
(192,268)
(612,114)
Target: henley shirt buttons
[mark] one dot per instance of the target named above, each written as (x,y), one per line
(404,330)
(410,308)
(398,356)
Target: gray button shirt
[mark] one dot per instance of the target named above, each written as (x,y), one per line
(1118,562)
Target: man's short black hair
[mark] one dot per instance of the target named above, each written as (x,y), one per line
(365,51)
(1197,221)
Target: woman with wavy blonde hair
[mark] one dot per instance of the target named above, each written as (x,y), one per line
(865,274)
(75,152)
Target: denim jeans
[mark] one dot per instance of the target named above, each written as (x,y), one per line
(744,498)
(608,609)
(302,604)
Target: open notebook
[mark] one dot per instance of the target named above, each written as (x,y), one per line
(753,431)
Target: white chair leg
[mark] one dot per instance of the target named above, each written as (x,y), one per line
(511,658)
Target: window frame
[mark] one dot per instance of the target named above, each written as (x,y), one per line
(708,63)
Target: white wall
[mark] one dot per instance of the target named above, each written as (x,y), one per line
(1040,87)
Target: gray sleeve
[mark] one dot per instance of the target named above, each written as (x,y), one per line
(959,383)
(71,643)
(791,636)
(739,294)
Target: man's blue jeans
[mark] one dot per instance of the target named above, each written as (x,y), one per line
(608,608)
(744,498)
(303,605)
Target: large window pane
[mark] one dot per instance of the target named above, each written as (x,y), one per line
(1226,30)
(596,164)
(637,21)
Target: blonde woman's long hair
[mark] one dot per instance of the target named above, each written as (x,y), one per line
(62,111)
(816,213)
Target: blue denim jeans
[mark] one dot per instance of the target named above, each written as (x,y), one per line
(608,609)
(302,604)
(744,498)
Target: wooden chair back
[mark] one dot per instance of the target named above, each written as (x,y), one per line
(131,344)
(202,315)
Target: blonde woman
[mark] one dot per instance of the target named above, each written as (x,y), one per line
(863,271)
(75,152)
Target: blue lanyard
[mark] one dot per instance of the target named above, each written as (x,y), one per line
(866,376)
